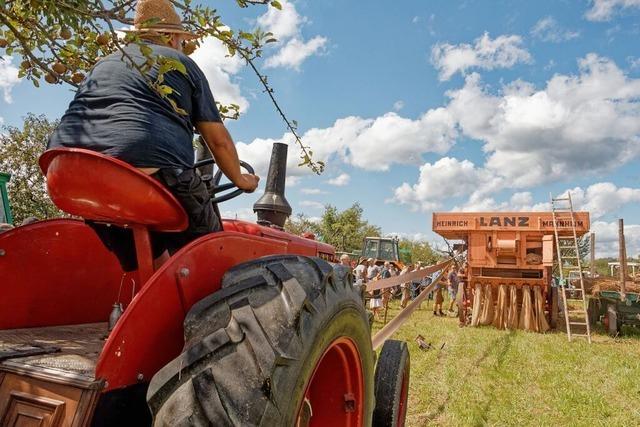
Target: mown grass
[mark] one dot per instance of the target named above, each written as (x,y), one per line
(484,376)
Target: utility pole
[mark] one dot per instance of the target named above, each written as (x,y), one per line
(592,264)
(623,259)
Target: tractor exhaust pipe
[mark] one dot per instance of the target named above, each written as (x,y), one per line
(272,208)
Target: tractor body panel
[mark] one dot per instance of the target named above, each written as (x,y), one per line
(56,272)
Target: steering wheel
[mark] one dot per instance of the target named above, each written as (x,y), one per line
(215,186)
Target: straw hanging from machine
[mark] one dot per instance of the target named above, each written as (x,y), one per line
(541,319)
(477,305)
(527,320)
(513,315)
(502,309)
(486,318)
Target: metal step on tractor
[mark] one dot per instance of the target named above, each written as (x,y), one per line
(248,326)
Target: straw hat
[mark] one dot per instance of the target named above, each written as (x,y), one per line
(163,10)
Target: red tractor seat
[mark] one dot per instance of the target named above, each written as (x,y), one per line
(101,188)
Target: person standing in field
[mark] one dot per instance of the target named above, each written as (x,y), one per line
(461,298)
(405,287)
(385,274)
(372,273)
(345,260)
(360,273)
(437,307)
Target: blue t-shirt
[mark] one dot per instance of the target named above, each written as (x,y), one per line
(117,113)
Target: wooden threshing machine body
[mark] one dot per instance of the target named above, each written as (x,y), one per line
(510,248)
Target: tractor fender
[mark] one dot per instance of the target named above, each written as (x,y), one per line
(150,332)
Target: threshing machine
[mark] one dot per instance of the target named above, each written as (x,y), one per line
(510,248)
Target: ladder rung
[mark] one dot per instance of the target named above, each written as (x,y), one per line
(576,311)
(560,199)
(578,323)
(581,335)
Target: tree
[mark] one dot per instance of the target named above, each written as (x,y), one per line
(345,230)
(59,41)
(418,251)
(19,153)
(301,224)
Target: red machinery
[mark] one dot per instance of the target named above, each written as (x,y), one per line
(248,326)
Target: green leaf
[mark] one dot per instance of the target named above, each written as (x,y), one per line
(246,36)
(165,89)
(276,4)
(146,50)
(176,108)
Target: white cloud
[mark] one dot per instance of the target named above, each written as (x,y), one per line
(398,105)
(598,199)
(283,23)
(603,198)
(8,77)
(312,191)
(607,238)
(519,202)
(371,144)
(295,51)
(245,214)
(547,29)
(587,123)
(340,180)
(603,10)
(311,204)
(286,25)
(220,69)
(446,178)
(292,180)
(634,62)
(415,237)
(486,53)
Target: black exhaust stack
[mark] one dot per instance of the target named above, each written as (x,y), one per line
(272,208)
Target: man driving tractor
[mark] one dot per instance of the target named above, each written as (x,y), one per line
(117,113)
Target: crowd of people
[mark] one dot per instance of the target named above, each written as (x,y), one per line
(368,270)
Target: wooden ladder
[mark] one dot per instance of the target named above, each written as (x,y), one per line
(568,257)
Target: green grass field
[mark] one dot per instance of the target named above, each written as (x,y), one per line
(484,376)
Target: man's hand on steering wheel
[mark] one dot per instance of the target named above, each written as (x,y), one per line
(248,182)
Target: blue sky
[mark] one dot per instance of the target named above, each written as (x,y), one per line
(421,106)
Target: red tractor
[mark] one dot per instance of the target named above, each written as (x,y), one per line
(248,326)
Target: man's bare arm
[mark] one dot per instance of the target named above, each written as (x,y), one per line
(219,141)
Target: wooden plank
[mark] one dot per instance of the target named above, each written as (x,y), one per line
(407,277)
(395,323)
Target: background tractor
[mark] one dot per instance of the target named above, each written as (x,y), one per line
(248,326)
(382,249)
(5,209)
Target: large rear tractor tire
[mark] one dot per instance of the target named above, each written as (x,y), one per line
(285,342)
(392,385)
